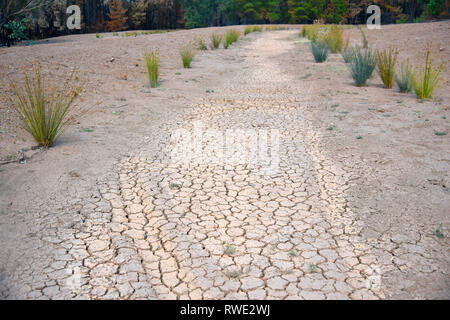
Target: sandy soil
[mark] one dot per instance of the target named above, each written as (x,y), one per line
(350,218)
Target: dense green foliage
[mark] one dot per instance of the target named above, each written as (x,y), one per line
(17,30)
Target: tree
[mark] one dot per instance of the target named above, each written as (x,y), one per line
(306,11)
(138,13)
(117,18)
(336,11)
(11,12)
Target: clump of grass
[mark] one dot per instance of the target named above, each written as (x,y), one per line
(216,40)
(152,62)
(248,29)
(425,80)
(231,36)
(200,44)
(319,50)
(403,78)
(44,112)
(312,32)
(362,66)
(386,61)
(257,28)
(348,54)
(187,55)
(335,39)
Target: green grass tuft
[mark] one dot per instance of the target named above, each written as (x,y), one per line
(152,62)
(403,78)
(216,40)
(386,61)
(319,50)
(425,80)
(187,55)
(44,112)
(335,39)
(200,44)
(231,36)
(362,66)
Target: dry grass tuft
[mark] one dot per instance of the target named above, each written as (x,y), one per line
(44,112)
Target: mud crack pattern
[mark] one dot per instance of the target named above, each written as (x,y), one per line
(155,229)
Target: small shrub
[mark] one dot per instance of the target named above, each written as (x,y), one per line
(187,55)
(386,61)
(216,40)
(230,37)
(319,50)
(200,44)
(43,111)
(152,62)
(17,30)
(335,39)
(362,65)
(403,78)
(97,35)
(425,80)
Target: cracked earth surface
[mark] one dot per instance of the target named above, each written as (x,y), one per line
(156,229)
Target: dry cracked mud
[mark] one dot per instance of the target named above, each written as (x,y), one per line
(155,228)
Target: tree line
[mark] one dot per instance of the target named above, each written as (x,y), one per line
(46,18)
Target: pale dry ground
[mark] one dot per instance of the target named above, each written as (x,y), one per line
(343,217)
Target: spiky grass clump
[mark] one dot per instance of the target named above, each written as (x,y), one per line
(43,111)
(348,54)
(386,61)
(152,62)
(200,44)
(403,78)
(425,80)
(319,50)
(258,29)
(362,66)
(187,55)
(335,39)
(312,32)
(248,29)
(230,37)
(216,40)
